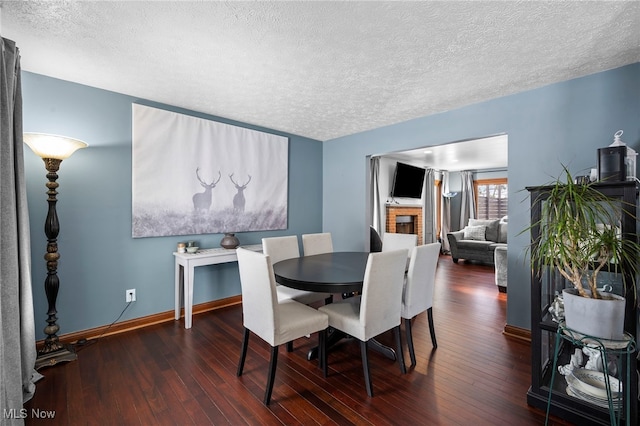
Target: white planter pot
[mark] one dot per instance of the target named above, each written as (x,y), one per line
(602,318)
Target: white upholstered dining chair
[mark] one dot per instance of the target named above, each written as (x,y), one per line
(417,295)
(317,243)
(274,322)
(373,312)
(282,248)
(392,241)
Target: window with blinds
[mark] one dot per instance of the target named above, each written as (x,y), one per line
(491,198)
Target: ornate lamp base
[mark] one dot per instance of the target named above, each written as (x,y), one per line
(52,149)
(66,353)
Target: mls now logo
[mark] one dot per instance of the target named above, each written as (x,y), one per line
(36,413)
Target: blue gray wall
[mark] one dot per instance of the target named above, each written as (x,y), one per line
(98,258)
(558,124)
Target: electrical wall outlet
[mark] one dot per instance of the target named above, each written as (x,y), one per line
(130,295)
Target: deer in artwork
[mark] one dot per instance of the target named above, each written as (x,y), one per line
(238,199)
(202,200)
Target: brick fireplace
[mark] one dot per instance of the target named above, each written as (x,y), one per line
(405,220)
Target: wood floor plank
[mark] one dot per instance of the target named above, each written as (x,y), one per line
(165,374)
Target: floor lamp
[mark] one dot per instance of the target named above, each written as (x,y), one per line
(52,149)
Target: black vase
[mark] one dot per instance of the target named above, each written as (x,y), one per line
(229,241)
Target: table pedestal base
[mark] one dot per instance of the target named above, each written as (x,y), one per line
(334,336)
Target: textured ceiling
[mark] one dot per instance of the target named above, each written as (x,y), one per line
(321,69)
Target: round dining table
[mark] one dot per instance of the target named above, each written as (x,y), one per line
(336,272)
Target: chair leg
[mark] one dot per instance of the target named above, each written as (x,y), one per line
(431,329)
(409,333)
(399,352)
(243,351)
(322,347)
(328,300)
(290,346)
(365,367)
(272,374)
(325,355)
(319,348)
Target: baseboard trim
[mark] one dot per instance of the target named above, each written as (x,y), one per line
(136,323)
(518,333)
(510,331)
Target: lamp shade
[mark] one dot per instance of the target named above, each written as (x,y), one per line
(52,146)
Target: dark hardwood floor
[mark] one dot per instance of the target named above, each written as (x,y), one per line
(166,375)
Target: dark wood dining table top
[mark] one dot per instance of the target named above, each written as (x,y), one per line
(337,272)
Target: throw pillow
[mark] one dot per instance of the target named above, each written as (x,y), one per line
(502,232)
(475,233)
(492,227)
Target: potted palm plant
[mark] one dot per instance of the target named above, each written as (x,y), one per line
(580,236)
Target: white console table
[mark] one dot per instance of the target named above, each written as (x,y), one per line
(185,271)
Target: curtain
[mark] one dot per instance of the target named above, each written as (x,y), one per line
(17,332)
(429,208)
(376,202)
(468,201)
(445,213)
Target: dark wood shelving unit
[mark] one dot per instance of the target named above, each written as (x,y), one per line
(545,283)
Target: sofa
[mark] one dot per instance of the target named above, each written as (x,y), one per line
(478,240)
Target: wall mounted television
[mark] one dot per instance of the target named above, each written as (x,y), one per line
(407,181)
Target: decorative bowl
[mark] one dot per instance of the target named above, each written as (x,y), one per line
(593,383)
(192,249)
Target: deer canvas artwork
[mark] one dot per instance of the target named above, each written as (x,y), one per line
(197,176)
